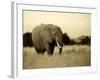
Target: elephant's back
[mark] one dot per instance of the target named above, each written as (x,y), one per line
(36,31)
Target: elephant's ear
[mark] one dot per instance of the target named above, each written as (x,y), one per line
(46,34)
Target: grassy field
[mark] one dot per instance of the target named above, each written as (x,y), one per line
(72,56)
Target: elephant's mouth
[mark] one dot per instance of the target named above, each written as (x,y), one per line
(59,44)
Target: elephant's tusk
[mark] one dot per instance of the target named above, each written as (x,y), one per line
(58,44)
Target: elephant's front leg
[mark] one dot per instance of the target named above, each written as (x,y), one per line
(49,48)
(60,50)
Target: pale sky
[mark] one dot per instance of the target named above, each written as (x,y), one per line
(75,24)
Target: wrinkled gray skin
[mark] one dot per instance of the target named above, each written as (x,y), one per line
(45,36)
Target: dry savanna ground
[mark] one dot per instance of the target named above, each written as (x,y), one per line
(72,56)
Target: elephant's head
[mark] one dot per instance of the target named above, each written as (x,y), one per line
(56,35)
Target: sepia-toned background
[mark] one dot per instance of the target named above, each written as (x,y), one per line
(76,25)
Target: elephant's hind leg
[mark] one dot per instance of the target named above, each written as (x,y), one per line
(39,51)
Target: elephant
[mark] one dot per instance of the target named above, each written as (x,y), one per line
(44,37)
(27,39)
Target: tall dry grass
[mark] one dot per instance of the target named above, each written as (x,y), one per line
(72,56)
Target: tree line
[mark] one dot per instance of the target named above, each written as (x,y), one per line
(82,40)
